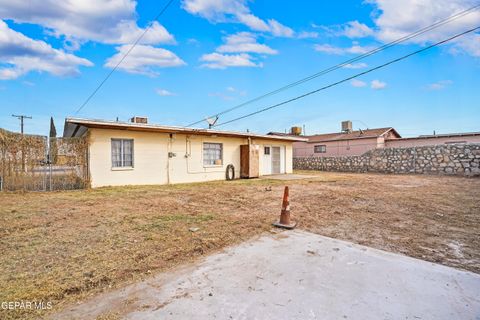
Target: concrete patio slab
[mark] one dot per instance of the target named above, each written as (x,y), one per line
(289,176)
(297,275)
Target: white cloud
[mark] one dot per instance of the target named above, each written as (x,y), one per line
(221,61)
(244,42)
(308,35)
(193,41)
(395,19)
(164,92)
(358,83)
(358,49)
(236,91)
(328,48)
(235,11)
(105,21)
(128,32)
(355,29)
(352,29)
(279,30)
(377,85)
(439,85)
(253,22)
(144,59)
(359,65)
(469,44)
(354,49)
(21,55)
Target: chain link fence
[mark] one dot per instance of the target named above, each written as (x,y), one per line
(39,163)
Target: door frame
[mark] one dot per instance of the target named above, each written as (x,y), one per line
(270,159)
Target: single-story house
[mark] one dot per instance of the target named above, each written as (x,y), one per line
(434,139)
(353,143)
(139,153)
(345,143)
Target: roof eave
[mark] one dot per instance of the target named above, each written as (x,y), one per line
(68,131)
(451,135)
(392,129)
(343,139)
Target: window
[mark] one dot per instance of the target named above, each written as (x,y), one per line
(321,148)
(122,153)
(212,154)
(266,150)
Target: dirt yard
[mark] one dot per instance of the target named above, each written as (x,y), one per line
(65,246)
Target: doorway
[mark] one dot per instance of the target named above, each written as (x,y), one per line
(276,162)
(273,160)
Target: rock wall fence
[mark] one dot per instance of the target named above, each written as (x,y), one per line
(451,159)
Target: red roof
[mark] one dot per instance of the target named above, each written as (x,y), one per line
(359,134)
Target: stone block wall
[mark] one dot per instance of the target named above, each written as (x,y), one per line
(451,159)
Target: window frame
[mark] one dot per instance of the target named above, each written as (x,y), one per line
(322,148)
(205,165)
(265,148)
(122,154)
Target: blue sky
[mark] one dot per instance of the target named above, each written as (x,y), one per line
(203,56)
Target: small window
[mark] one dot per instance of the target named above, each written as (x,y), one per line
(321,148)
(212,154)
(266,150)
(122,153)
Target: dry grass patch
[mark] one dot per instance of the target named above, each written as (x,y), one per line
(67,246)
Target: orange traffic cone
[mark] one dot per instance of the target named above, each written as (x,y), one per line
(285,213)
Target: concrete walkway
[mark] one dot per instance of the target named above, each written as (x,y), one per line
(288,177)
(298,275)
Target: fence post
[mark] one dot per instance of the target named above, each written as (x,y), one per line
(50,174)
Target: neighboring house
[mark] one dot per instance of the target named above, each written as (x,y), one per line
(136,153)
(427,140)
(346,143)
(352,143)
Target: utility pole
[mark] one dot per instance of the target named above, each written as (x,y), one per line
(21,117)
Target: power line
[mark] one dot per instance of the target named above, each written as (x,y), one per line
(349,78)
(124,56)
(343,64)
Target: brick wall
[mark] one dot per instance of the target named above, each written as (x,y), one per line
(454,159)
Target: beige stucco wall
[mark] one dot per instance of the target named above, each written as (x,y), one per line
(152,164)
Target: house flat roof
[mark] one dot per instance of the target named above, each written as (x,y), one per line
(444,135)
(75,127)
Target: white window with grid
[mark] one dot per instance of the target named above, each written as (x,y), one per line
(212,154)
(122,153)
